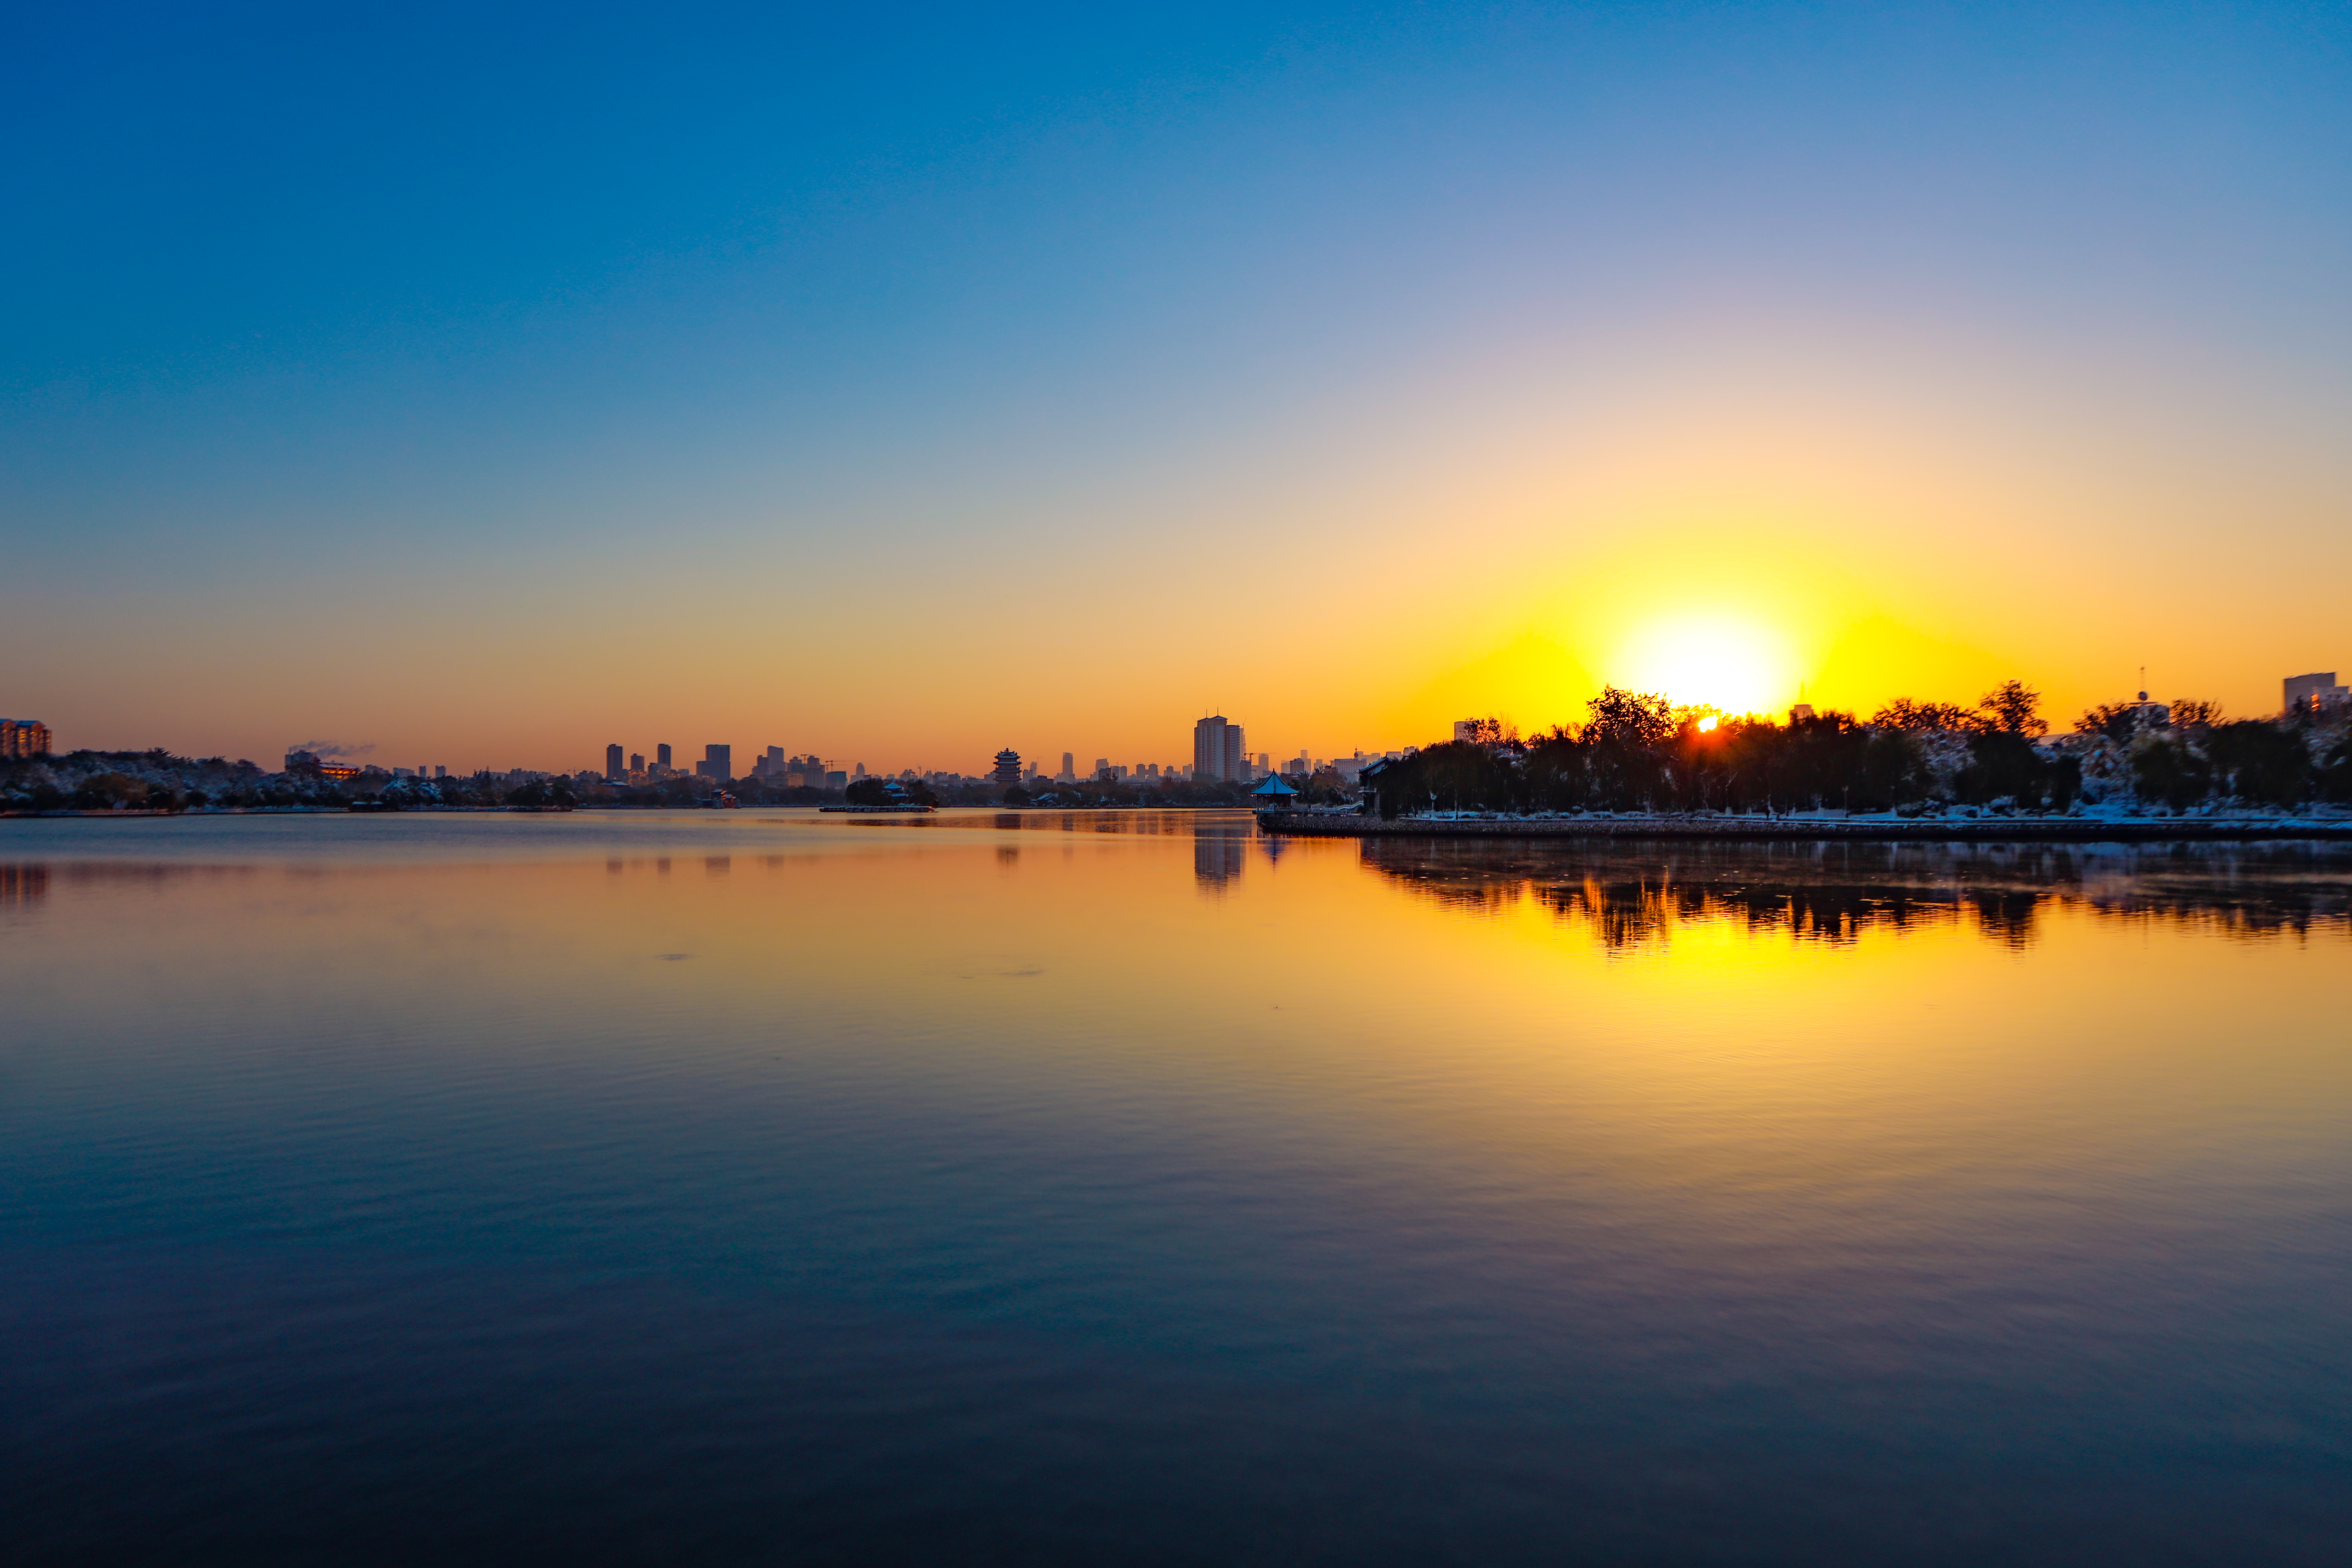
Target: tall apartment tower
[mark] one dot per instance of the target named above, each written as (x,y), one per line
(1217,750)
(1070,769)
(24,738)
(613,768)
(718,761)
(661,756)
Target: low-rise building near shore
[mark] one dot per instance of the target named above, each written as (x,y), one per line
(2315,692)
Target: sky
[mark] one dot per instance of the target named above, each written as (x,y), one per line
(484,384)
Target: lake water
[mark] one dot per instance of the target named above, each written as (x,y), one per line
(766,1187)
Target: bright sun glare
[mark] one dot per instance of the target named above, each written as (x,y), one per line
(1713,660)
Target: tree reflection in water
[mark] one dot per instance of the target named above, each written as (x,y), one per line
(1632,894)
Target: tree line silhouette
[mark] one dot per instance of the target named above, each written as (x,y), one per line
(1641,751)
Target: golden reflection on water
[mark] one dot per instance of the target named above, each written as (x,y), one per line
(1834,892)
(1180,949)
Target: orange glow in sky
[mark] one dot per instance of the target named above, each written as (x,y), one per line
(1712,659)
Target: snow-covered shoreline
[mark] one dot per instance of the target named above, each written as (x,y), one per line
(2085,828)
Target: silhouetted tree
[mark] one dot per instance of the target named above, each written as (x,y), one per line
(1623,743)
(1904,714)
(2117,720)
(2012,707)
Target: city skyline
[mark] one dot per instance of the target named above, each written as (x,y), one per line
(1219,751)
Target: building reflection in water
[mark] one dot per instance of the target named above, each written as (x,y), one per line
(23,884)
(1630,895)
(1220,850)
(30,882)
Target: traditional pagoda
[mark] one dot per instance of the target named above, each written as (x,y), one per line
(1274,794)
(1008,768)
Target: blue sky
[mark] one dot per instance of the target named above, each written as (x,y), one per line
(787,343)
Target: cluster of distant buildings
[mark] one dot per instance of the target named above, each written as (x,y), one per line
(1221,755)
(718,765)
(1221,751)
(317,766)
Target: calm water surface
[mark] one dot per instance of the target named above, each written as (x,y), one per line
(764,1187)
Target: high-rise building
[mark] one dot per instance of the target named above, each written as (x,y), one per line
(661,756)
(636,762)
(1217,750)
(1102,767)
(22,738)
(1070,773)
(718,761)
(613,768)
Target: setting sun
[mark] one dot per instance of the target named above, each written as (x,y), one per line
(1708,659)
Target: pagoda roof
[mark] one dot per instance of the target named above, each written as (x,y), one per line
(1274,786)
